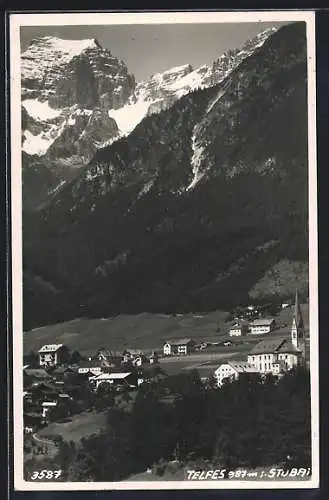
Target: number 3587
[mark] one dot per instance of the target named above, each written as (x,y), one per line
(45,474)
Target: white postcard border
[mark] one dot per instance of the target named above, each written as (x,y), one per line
(89,18)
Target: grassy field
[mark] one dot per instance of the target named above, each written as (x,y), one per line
(148,331)
(79,426)
(143,331)
(204,362)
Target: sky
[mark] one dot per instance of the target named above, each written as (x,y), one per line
(147,49)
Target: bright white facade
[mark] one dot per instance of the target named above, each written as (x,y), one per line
(281,357)
(238,330)
(180,347)
(277,355)
(96,370)
(262,326)
(52,354)
(167,349)
(232,370)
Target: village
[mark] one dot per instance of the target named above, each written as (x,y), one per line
(59,384)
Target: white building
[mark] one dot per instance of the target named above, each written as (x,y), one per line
(238,329)
(180,347)
(261,326)
(277,355)
(232,370)
(274,355)
(52,354)
(90,366)
(112,378)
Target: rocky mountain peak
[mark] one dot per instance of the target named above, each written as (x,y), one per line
(66,82)
(195,206)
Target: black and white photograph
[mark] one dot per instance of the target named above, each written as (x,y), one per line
(164,250)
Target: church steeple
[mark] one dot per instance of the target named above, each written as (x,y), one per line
(297,327)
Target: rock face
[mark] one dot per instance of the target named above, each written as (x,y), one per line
(64,83)
(74,72)
(77,98)
(162,90)
(201,199)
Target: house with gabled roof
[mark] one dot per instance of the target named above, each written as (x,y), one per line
(232,370)
(261,326)
(238,329)
(270,352)
(114,379)
(52,354)
(179,346)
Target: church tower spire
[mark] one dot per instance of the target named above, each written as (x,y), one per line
(297,327)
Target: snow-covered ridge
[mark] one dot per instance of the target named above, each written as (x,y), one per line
(70,47)
(45,64)
(162,89)
(51,50)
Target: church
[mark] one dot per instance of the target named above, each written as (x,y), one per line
(279,354)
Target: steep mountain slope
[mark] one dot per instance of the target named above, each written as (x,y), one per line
(194,206)
(77,98)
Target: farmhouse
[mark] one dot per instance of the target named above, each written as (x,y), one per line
(238,329)
(114,379)
(53,354)
(180,346)
(232,370)
(261,326)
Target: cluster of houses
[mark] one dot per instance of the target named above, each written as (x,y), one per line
(55,387)
(255,325)
(274,355)
(258,326)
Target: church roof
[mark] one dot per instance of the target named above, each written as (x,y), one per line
(287,347)
(262,321)
(267,346)
(271,346)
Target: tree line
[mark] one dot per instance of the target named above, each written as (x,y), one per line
(252,422)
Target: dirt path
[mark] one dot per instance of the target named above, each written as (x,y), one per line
(42,440)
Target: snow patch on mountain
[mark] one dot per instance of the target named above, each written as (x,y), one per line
(212,104)
(129,116)
(197,152)
(40,143)
(40,110)
(36,144)
(191,81)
